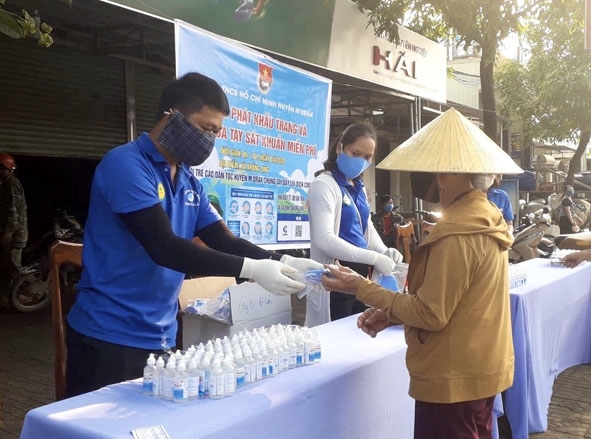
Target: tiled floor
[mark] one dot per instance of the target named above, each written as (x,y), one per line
(26,378)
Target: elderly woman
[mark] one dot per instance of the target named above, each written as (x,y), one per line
(456,314)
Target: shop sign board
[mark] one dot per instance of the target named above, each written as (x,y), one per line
(273,141)
(416,65)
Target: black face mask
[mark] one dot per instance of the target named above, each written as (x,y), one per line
(185,141)
(424,186)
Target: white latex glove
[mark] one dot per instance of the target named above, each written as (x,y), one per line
(384,264)
(271,275)
(394,254)
(301,264)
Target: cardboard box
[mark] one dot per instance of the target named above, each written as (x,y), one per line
(251,307)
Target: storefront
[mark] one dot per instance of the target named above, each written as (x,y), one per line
(98,85)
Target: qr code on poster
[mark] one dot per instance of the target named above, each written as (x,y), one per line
(298,231)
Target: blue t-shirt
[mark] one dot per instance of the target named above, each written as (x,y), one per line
(501,199)
(355,210)
(124,296)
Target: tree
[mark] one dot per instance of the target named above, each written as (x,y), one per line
(552,93)
(20,26)
(483,22)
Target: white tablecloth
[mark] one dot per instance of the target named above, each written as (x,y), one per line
(359,389)
(551,318)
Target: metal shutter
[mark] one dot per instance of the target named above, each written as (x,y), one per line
(59,102)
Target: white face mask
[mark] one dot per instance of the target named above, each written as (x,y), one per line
(483,181)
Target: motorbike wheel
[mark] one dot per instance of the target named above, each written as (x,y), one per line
(30,291)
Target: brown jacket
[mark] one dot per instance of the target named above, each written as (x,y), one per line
(457,314)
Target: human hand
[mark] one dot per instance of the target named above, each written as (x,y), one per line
(271,275)
(384,264)
(342,279)
(576,229)
(394,254)
(573,259)
(301,264)
(372,321)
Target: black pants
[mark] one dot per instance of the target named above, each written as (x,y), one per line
(565,225)
(344,305)
(93,363)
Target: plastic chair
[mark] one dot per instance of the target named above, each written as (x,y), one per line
(60,253)
(405,235)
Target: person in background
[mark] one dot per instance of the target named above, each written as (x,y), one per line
(340,223)
(13,221)
(489,184)
(385,220)
(568,221)
(456,315)
(145,209)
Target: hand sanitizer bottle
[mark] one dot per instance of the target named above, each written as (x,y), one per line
(180,390)
(239,367)
(169,376)
(193,378)
(216,380)
(158,380)
(229,377)
(148,382)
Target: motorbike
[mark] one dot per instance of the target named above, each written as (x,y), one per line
(29,289)
(533,238)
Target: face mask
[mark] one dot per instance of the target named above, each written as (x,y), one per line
(424,186)
(185,141)
(351,166)
(569,193)
(388,207)
(482,181)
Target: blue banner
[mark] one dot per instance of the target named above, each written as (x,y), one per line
(272,143)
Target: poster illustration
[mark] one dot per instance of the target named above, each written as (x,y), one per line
(272,142)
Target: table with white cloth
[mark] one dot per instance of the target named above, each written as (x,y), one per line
(358,389)
(551,317)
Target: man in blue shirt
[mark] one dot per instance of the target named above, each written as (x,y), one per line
(489,184)
(145,209)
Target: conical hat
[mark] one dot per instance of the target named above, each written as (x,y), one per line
(450,143)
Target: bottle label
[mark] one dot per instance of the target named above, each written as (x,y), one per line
(193,386)
(240,376)
(230,383)
(220,385)
(148,386)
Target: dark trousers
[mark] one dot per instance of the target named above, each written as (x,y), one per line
(460,420)
(344,305)
(93,363)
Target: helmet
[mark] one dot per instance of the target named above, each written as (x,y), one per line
(7,161)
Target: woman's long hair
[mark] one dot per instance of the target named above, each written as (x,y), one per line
(348,136)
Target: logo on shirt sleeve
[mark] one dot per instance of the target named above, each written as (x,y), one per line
(161,192)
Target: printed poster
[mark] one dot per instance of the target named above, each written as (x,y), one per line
(273,141)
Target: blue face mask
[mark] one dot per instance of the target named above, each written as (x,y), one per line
(569,193)
(388,207)
(351,167)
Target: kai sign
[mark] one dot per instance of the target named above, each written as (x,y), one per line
(395,61)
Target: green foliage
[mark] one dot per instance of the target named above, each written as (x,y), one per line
(481,22)
(557,77)
(24,26)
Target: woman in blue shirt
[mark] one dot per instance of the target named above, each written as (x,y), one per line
(340,224)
